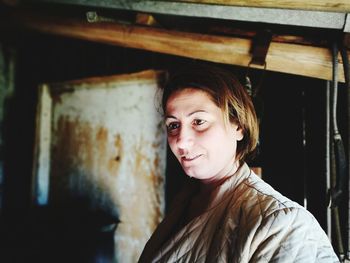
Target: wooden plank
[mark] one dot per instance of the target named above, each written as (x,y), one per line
(320,5)
(310,61)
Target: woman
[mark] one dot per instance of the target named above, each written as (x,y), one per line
(225,212)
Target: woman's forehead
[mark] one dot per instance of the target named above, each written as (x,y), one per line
(190,100)
(190,95)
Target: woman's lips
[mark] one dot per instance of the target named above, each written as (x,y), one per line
(190,159)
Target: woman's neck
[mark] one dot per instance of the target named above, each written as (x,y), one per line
(208,185)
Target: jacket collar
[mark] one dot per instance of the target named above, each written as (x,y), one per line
(165,230)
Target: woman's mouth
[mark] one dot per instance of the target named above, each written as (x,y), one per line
(190,159)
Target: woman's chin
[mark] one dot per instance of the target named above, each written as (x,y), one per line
(195,175)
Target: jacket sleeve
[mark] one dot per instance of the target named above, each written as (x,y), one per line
(291,235)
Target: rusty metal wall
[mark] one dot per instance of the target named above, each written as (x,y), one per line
(102,140)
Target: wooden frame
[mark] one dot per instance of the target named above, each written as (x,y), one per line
(298,59)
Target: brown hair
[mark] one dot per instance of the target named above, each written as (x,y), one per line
(227,93)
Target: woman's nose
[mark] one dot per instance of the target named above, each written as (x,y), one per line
(185,139)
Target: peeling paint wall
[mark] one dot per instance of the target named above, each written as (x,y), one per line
(107,147)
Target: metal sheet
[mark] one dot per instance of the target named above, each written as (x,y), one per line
(102,140)
(308,18)
(347,24)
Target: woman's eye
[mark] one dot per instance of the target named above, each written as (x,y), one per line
(172,126)
(198,122)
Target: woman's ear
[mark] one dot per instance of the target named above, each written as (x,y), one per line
(238,132)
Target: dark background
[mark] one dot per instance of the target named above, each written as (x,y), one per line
(294,109)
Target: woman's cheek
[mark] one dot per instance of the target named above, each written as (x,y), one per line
(171,142)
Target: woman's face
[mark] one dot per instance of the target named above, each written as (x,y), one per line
(198,136)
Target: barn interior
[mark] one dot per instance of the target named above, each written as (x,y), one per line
(61,46)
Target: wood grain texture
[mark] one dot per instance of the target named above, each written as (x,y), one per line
(304,60)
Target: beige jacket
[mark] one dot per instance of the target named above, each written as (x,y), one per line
(247,221)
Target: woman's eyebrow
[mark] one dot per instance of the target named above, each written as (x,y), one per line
(169,117)
(188,115)
(197,111)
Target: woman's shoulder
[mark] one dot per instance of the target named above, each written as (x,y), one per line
(255,193)
(271,219)
(259,202)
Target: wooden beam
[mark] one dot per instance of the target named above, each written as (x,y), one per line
(310,61)
(319,5)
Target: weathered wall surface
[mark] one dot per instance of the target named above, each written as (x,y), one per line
(108,148)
